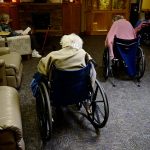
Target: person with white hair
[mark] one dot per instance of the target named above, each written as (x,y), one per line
(121,28)
(70,57)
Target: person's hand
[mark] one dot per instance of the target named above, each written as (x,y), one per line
(20,34)
(144,24)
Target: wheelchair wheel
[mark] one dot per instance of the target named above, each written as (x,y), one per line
(145,38)
(99,107)
(106,63)
(44,112)
(140,63)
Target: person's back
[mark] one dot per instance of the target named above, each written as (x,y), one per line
(70,57)
(124,29)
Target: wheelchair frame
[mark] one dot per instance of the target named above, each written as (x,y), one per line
(97,111)
(110,67)
(144,35)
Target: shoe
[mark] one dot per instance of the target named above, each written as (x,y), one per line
(88,107)
(35,51)
(36,54)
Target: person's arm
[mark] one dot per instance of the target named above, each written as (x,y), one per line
(14,33)
(110,38)
(44,64)
(140,25)
(88,58)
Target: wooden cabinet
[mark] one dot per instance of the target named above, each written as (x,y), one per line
(12,10)
(99,14)
(71,18)
(40,16)
(64,18)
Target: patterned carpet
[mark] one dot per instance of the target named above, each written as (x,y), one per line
(128,126)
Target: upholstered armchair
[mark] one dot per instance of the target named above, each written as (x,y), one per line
(11,68)
(11,133)
(20,44)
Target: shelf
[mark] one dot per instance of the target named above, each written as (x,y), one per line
(99,14)
(51,32)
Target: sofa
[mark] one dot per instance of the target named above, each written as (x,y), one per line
(11,66)
(11,135)
(20,44)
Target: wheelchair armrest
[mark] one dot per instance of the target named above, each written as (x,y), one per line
(93,62)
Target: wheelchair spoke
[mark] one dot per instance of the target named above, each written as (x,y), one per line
(140,62)
(105,64)
(41,113)
(99,104)
(44,112)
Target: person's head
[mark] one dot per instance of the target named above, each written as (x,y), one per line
(147,15)
(71,40)
(4,18)
(117,17)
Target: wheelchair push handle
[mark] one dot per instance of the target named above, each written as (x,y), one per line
(93,62)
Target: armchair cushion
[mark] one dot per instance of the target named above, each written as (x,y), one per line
(4,50)
(12,62)
(11,67)
(20,44)
(2,73)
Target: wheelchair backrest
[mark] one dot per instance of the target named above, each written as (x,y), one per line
(69,87)
(126,50)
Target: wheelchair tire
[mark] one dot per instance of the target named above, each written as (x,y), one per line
(145,39)
(44,112)
(100,107)
(106,63)
(140,63)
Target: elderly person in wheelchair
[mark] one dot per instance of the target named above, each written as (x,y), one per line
(122,48)
(67,77)
(70,57)
(142,28)
(121,28)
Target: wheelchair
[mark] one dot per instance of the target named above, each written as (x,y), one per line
(144,34)
(64,88)
(127,55)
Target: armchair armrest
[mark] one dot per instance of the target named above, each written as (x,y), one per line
(10,119)
(4,50)
(2,72)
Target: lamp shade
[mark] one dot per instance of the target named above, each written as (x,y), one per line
(145,5)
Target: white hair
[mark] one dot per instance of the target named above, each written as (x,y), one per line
(71,40)
(117,17)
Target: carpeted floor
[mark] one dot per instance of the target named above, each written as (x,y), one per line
(128,126)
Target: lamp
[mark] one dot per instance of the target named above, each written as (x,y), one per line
(145,5)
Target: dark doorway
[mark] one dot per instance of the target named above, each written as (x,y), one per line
(134,13)
(40,20)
